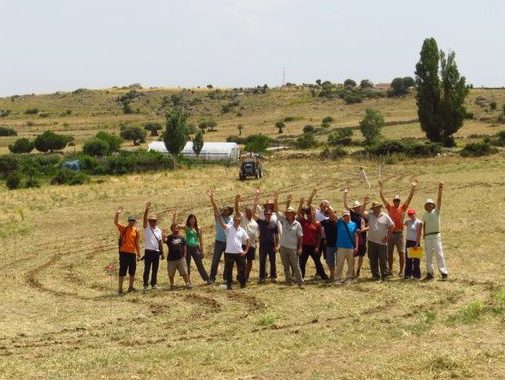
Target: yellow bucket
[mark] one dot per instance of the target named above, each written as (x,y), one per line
(415,252)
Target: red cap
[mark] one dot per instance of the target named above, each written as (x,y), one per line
(411,211)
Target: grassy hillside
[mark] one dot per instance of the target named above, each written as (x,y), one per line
(84,112)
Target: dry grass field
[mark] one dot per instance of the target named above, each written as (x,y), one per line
(60,316)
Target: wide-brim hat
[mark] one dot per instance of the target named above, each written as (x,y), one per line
(227,209)
(429,200)
(356,204)
(376,204)
(152,217)
(290,209)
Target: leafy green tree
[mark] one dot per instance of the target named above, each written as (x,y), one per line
(132,133)
(439,99)
(365,83)
(398,87)
(280,126)
(257,143)
(306,141)
(114,141)
(22,145)
(198,143)
(342,136)
(175,136)
(408,82)
(153,128)
(349,83)
(371,125)
(96,147)
(50,142)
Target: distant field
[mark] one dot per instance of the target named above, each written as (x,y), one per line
(60,317)
(95,110)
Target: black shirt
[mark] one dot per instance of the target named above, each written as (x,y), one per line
(176,244)
(330,232)
(267,232)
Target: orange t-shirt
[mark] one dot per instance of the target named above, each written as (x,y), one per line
(398,215)
(129,239)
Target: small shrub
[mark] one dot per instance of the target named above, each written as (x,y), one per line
(22,145)
(96,147)
(351,98)
(236,139)
(69,177)
(327,120)
(342,136)
(32,111)
(50,141)
(477,149)
(334,153)
(43,114)
(257,143)
(309,129)
(306,141)
(4,131)
(114,141)
(492,105)
(288,119)
(408,147)
(32,182)
(13,181)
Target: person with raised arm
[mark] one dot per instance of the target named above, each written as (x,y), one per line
(347,247)
(129,250)
(290,243)
(320,215)
(397,212)
(248,223)
(380,228)
(153,248)
(432,236)
(356,211)
(414,229)
(220,240)
(194,244)
(330,230)
(268,241)
(311,239)
(237,245)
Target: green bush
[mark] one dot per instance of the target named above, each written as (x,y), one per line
(334,153)
(13,181)
(410,148)
(114,141)
(4,131)
(131,162)
(341,136)
(96,147)
(257,143)
(327,120)
(8,164)
(32,111)
(236,139)
(32,182)
(135,134)
(306,141)
(477,149)
(50,142)
(22,145)
(69,177)
(352,98)
(309,129)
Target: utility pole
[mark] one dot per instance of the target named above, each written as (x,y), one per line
(283,76)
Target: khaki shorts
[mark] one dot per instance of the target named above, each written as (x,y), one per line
(179,265)
(396,240)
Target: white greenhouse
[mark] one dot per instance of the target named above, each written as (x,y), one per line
(210,150)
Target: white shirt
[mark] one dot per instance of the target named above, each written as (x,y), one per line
(251,228)
(320,217)
(235,239)
(152,238)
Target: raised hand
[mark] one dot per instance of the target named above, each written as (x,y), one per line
(119,210)
(441,185)
(210,194)
(414,183)
(290,197)
(148,205)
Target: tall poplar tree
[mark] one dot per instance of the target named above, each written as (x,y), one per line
(175,133)
(439,96)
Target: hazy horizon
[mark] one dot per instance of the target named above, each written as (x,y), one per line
(57,45)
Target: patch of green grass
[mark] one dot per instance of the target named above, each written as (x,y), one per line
(267,319)
(470,313)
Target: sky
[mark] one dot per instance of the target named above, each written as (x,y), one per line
(62,45)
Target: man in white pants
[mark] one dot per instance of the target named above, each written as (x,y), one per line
(432,237)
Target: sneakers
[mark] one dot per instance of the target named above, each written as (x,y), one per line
(261,281)
(189,286)
(131,289)
(444,276)
(120,292)
(155,287)
(337,283)
(146,287)
(349,281)
(228,286)
(428,277)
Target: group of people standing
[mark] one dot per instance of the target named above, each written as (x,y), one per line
(295,235)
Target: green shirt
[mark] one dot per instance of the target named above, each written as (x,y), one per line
(192,237)
(431,222)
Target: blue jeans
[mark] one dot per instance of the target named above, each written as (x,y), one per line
(219,248)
